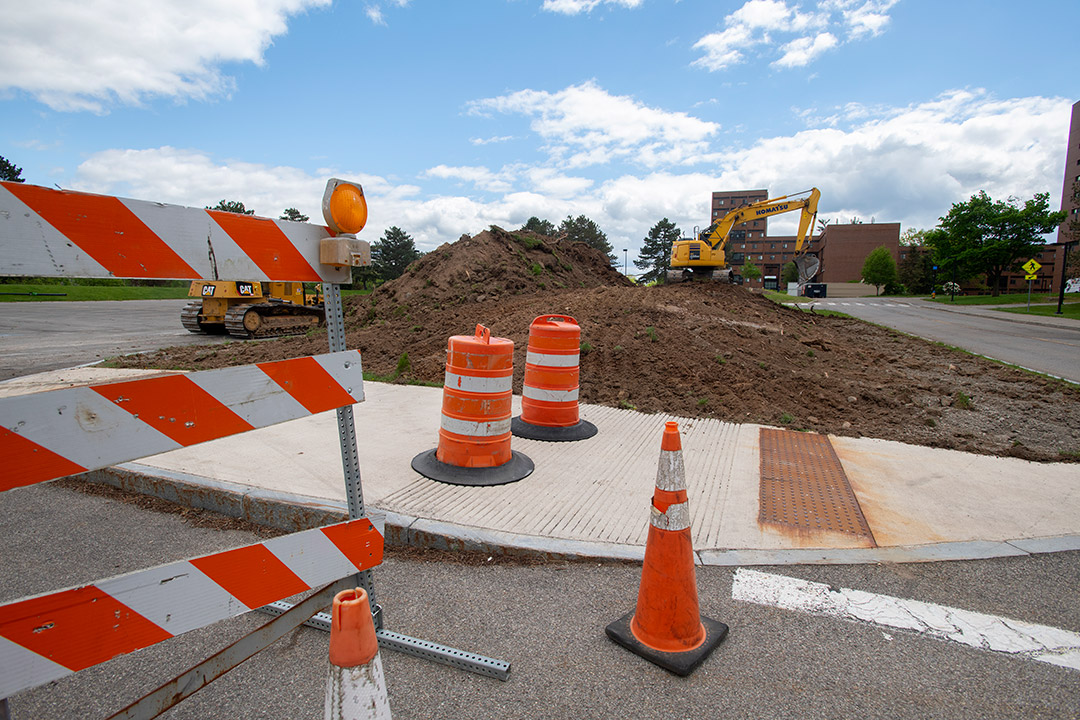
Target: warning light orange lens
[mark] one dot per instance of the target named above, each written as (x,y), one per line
(348,208)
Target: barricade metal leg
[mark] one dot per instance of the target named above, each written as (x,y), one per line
(350,460)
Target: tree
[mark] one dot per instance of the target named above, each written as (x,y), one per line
(393,252)
(233,206)
(582,229)
(913,237)
(916,270)
(540,227)
(790,273)
(879,268)
(9,171)
(750,271)
(990,237)
(294,215)
(655,253)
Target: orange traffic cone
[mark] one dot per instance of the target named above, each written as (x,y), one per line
(355,686)
(667,627)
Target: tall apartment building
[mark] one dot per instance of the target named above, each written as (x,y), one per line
(1072,173)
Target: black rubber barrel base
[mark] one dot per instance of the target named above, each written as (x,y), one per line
(581,431)
(680,663)
(520,466)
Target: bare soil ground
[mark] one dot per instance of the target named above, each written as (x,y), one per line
(694,350)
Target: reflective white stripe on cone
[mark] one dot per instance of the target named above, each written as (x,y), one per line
(355,684)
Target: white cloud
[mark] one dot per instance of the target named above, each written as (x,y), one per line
(575,7)
(374,14)
(89,54)
(802,51)
(584,125)
(899,164)
(766,26)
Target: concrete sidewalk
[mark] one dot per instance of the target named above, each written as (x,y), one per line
(591,498)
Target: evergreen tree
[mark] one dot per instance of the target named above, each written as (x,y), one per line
(9,171)
(233,206)
(540,227)
(655,253)
(294,215)
(393,252)
(582,229)
(916,270)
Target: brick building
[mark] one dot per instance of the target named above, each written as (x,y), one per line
(1072,173)
(842,249)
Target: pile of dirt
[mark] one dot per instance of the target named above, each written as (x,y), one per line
(695,350)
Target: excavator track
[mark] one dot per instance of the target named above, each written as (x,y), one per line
(273,319)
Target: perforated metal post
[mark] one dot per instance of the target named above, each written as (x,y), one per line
(350,458)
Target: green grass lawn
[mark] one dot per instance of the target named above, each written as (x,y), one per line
(1011,299)
(43,293)
(1068,310)
(40,293)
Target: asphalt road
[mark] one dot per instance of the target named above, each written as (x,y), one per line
(40,336)
(1052,349)
(548,622)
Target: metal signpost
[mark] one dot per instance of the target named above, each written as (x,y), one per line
(1031,268)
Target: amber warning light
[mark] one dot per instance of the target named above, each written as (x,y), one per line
(344,207)
(345,212)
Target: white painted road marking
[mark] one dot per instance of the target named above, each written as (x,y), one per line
(989,632)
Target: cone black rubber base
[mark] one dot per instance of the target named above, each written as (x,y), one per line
(680,663)
(520,466)
(581,431)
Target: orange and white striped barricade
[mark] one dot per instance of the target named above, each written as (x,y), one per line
(355,684)
(61,233)
(64,432)
(667,627)
(549,398)
(48,636)
(474,433)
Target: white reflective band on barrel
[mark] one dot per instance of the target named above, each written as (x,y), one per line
(670,474)
(677,517)
(550,360)
(534,393)
(471,383)
(471,428)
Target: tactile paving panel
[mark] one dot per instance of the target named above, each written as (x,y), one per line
(803,485)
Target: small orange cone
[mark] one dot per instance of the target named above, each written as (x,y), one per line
(667,627)
(355,686)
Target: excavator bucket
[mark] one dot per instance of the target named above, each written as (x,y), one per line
(808,266)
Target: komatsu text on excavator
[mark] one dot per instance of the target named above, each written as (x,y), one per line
(705,258)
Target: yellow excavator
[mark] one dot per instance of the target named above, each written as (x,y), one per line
(705,258)
(252,309)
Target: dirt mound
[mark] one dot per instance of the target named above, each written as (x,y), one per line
(495,264)
(696,350)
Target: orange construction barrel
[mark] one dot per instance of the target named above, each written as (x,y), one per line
(474,432)
(549,399)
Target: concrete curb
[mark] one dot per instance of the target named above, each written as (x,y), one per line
(293,513)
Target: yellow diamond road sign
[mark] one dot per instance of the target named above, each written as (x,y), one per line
(1031,277)
(1031,267)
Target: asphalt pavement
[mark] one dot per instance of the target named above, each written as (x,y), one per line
(547,620)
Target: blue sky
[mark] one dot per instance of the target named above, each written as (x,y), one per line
(458,115)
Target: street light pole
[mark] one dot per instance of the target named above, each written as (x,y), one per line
(624,256)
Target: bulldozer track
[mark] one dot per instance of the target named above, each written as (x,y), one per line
(271,320)
(189,317)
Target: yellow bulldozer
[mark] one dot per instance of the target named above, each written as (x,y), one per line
(252,309)
(704,257)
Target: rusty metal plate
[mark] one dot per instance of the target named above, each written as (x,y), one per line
(803,485)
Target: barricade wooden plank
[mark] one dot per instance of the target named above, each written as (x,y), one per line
(46,637)
(63,432)
(62,233)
